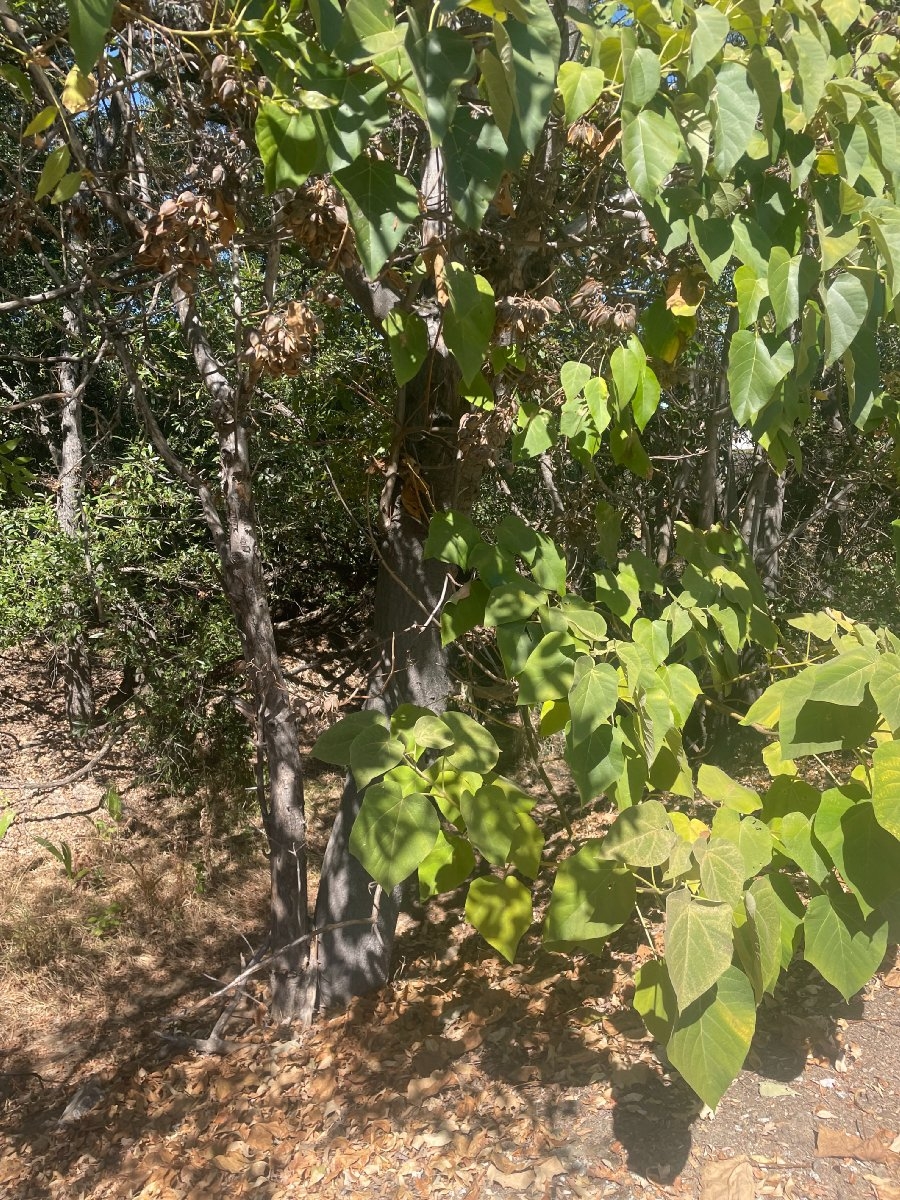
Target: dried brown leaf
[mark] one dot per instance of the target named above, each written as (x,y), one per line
(832,1143)
(428,1085)
(545,1171)
(728,1179)
(884,1188)
(233,1162)
(516,1181)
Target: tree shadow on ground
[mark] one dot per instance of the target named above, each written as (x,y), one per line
(520,1052)
(654,1122)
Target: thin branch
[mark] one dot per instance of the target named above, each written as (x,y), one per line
(264,962)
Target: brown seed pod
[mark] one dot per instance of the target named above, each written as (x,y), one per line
(520,317)
(317,219)
(186,232)
(283,342)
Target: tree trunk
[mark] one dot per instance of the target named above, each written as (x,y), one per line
(767,547)
(235,534)
(411,668)
(283,815)
(242,571)
(77,675)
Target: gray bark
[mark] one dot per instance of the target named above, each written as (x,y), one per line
(768,541)
(76,666)
(411,667)
(237,541)
(234,531)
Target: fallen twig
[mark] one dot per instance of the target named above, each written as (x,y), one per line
(264,962)
(38,785)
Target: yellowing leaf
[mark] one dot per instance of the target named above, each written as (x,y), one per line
(78,91)
(42,121)
(684,293)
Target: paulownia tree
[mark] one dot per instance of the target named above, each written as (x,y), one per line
(422,155)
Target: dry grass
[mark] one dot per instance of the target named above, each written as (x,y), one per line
(139,924)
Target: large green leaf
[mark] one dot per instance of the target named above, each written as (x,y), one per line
(711,1038)
(846,308)
(584,620)
(790,279)
(810,58)
(513,602)
(373,752)
(431,732)
(287,144)
(866,854)
(549,566)
(529,55)
(408,343)
(642,836)
(809,725)
(758,940)
(549,671)
(89,22)
(593,696)
(404,720)
(862,371)
(468,319)
(626,364)
(708,38)
(642,76)
(464,611)
(844,678)
(344,127)
(650,148)
(581,87)
(722,789)
(750,291)
(591,899)
(334,744)
(802,847)
(501,830)
(381,206)
(597,760)
(698,943)
(654,999)
(845,948)
(885,688)
(475,749)
(442,61)
(722,869)
(500,909)
(754,373)
(449,787)
(393,834)
(449,863)
(752,837)
(474,158)
(841,13)
(886,786)
(452,537)
(737,108)
(713,240)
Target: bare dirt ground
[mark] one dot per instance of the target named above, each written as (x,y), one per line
(465,1078)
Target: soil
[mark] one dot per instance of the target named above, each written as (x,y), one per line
(464,1078)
